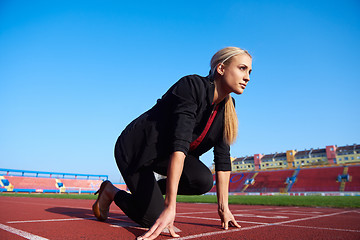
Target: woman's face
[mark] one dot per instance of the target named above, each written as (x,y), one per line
(236,75)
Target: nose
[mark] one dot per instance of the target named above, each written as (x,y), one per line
(247,77)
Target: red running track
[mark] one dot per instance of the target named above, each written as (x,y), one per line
(41,218)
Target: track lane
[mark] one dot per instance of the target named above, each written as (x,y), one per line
(73,219)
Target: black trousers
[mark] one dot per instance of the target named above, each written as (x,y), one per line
(146,202)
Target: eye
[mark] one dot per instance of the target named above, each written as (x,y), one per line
(242,68)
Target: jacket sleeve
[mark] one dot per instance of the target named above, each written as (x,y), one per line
(185,95)
(222,156)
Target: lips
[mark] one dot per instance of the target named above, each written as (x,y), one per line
(243,86)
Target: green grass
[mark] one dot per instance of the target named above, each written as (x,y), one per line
(281,200)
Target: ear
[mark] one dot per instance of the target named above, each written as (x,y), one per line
(221,69)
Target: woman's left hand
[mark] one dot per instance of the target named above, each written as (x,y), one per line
(226,218)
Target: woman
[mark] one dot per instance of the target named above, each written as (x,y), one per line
(194,115)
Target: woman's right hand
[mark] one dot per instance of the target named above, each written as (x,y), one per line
(166,219)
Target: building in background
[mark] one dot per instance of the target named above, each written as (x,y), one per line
(330,155)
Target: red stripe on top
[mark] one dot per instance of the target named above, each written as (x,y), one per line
(197,142)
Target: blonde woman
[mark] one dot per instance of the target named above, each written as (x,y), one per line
(193,116)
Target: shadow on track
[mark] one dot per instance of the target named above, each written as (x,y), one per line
(116,220)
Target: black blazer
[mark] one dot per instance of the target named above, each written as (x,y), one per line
(177,119)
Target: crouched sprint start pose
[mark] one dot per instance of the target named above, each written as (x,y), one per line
(193,116)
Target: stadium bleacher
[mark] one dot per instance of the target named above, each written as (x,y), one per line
(316,179)
(48,182)
(354,179)
(32,184)
(80,185)
(270,181)
(322,179)
(237,182)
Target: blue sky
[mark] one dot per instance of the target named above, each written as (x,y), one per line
(73,74)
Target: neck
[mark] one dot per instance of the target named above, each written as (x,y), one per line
(219,93)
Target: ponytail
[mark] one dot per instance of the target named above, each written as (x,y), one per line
(230,121)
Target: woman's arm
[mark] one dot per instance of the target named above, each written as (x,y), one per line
(222,189)
(167,217)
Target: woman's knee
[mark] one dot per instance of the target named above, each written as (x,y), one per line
(205,183)
(196,178)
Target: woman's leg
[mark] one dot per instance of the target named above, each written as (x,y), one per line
(196,178)
(145,203)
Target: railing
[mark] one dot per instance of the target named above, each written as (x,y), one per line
(27,173)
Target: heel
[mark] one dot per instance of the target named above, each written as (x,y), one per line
(102,186)
(101,212)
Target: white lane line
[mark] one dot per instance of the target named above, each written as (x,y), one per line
(218,220)
(190,213)
(258,216)
(239,210)
(216,233)
(50,220)
(258,226)
(299,212)
(256,209)
(186,213)
(21,233)
(61,220)
(202,218)
(322,228)
(46,204)
(137,226)
(309,218)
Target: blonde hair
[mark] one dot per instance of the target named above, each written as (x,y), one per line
(224,56)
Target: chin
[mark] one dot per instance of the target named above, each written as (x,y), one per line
(238,91)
